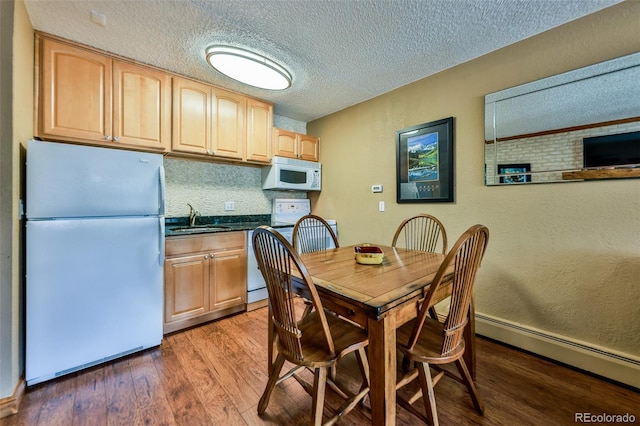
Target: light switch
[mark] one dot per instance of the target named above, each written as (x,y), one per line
(381,206)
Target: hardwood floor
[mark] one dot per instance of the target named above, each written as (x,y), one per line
(215,374)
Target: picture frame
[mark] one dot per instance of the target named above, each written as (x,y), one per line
(512,171)
(424,163)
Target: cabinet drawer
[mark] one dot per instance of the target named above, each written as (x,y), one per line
(221,241)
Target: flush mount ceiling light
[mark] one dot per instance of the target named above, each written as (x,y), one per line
(248,67)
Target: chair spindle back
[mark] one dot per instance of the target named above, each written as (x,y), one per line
(465,256)
(421,232)
(313,233)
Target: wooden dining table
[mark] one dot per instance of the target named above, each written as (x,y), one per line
(380,298)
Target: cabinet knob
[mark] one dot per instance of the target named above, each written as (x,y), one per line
(117,138)
(108,137)
(206,256)
(212,255)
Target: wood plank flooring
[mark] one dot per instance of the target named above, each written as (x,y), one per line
(215,374)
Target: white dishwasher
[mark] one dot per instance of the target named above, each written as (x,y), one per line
(256,290)
(285,214)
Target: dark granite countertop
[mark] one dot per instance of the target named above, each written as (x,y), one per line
(176,226)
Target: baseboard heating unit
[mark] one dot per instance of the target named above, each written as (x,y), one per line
(620,367)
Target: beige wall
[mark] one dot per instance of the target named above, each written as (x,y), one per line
(22,129)
(8,321)
(562,258)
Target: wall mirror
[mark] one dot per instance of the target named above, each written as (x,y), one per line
(579,125)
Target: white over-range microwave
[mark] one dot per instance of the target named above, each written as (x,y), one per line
(292,174)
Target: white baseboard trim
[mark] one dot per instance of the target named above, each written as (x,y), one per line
(620,367)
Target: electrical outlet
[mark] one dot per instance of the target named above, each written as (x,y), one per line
(376,188)
(229,205)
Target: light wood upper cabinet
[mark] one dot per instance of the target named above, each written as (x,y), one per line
(192,103)
(285,143)
(308,147)
(213,122)
(259,125)
(88,97)
(295,145)
(229,126)
(75,93)
(141,106)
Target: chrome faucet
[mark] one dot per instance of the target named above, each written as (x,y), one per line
(193,213)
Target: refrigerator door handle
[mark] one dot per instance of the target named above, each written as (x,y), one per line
(161,177)
(161,241)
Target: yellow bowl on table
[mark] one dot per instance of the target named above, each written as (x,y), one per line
(368,254)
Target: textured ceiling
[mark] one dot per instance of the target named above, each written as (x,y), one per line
(340,52)
(566,100)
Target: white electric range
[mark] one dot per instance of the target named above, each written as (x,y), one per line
(284,215)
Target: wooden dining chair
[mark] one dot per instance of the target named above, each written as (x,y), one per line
(312,233)
(428,343)
(422,232)
(425,233)
(317,341)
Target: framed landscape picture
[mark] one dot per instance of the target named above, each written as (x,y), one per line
(514,173)
(424,163)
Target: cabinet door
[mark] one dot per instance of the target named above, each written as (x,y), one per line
(285,143)
(186,287)
(229,131)
(259,130)
(228,278)
(308,147)
(142,106)
(191,116)
(75,93)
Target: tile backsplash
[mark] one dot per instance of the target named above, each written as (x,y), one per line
(207,186)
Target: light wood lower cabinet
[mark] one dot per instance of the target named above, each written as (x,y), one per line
(228,279)
(205,277)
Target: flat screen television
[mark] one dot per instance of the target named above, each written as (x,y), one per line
(612,150)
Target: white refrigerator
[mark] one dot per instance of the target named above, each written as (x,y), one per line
(95,254)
